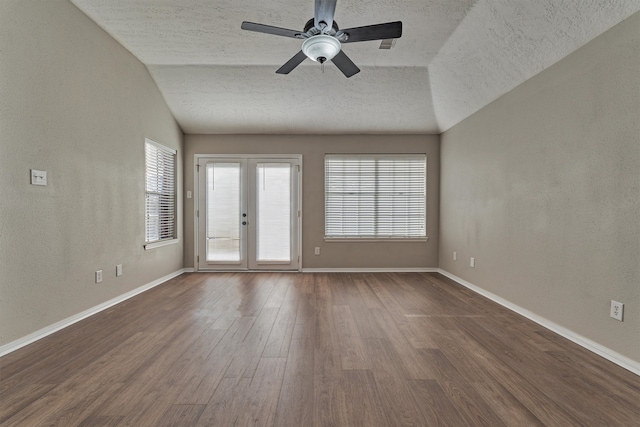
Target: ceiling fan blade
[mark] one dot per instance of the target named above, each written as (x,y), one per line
(325,9)
(389,30)
(292,63)
(268,29)
(345,64)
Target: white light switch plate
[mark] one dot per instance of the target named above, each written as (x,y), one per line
(38,177)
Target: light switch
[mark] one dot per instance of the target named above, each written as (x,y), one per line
(38,177)
(188,194)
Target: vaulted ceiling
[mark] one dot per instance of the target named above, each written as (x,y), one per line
(454,57)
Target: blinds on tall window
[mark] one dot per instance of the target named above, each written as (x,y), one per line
(375,196)
(160,192)
(273,211)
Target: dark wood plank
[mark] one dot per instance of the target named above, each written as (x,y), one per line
(311,350)
(536,369)
(360,400)
(505,405)
(101,422)
(78,409)
(406,355)
(261,398)
(295,404)
(436,408)
(13,403)
(248,352)
(226,404)
(277,344)
(200,382)
(392,384)
(327,374)
(468,401)
(528,394)
(351,346)
(181,416)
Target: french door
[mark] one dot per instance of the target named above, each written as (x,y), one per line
(248,213)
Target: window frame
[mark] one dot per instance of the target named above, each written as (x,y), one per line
(374,237)
(172,193)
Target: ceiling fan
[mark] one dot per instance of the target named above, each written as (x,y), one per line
(322,38)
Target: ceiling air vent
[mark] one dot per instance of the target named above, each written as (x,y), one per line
(387,43)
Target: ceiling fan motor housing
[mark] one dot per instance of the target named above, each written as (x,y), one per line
(321,48)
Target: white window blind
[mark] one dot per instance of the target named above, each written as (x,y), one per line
(224,192)
(160,192)
(274,212)
(375,196)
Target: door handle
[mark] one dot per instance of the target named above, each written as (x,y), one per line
(244,215)
(244,222)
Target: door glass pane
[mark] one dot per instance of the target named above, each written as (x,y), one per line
(223,212)
(274,212)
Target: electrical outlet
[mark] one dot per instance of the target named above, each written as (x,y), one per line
(316,250)
(98,276)
(455,256)
(472,262)
(118,270)
(617,310)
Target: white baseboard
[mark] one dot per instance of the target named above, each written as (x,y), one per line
(371,270)
(37,335)
(188,270)
(590,345)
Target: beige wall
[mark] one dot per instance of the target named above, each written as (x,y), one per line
(313,149)
(542,187)
(74,103)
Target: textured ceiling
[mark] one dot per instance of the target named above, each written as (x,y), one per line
(454,58)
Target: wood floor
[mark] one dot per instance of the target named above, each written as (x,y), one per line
(286,349)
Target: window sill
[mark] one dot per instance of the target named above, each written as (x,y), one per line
(160,244)
(374,239)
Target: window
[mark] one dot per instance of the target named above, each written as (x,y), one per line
(160,194)
(375,196)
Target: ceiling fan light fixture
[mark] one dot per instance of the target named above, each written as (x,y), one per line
(321,48)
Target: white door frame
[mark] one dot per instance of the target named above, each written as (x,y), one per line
(196,197)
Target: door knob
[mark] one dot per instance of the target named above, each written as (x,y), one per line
(244,215)
(244,222)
